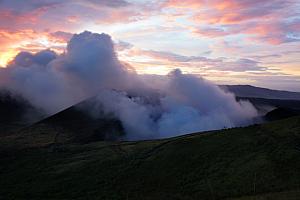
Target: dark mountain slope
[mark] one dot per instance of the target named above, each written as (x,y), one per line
(281,113)
(260,160)
(16,112)
(275,109)
(76,124)
(276,103)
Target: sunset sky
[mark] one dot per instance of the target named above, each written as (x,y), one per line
(253,42)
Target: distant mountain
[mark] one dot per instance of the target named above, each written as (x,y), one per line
(257,92)
(259,103)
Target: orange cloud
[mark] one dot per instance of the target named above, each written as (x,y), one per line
(260,20)
(29,40)
(73,19)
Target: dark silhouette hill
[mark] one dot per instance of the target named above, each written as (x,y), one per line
(77,124)
(281,113)
(255,162)
(76,155)
(16,112)
(285,103)
(258,92)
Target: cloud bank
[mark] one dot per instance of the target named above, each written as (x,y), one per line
(148,107)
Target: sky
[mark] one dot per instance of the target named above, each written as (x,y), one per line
(254,42)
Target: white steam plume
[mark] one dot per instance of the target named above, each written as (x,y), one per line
(148,108)
(185,104)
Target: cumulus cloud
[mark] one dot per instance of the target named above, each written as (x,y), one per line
(147,107)
(54,82)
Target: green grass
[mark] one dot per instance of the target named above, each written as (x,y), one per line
(256,162)
(288,195)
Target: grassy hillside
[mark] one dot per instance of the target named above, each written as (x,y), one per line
(256,162)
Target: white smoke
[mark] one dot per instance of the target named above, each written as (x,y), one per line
(185,104)
(147,107)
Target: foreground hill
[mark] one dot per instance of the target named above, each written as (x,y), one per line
(259,160)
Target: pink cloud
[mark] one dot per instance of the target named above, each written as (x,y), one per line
(271,32)
(230,11)
(260,20)
(60,36)
(214,64)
